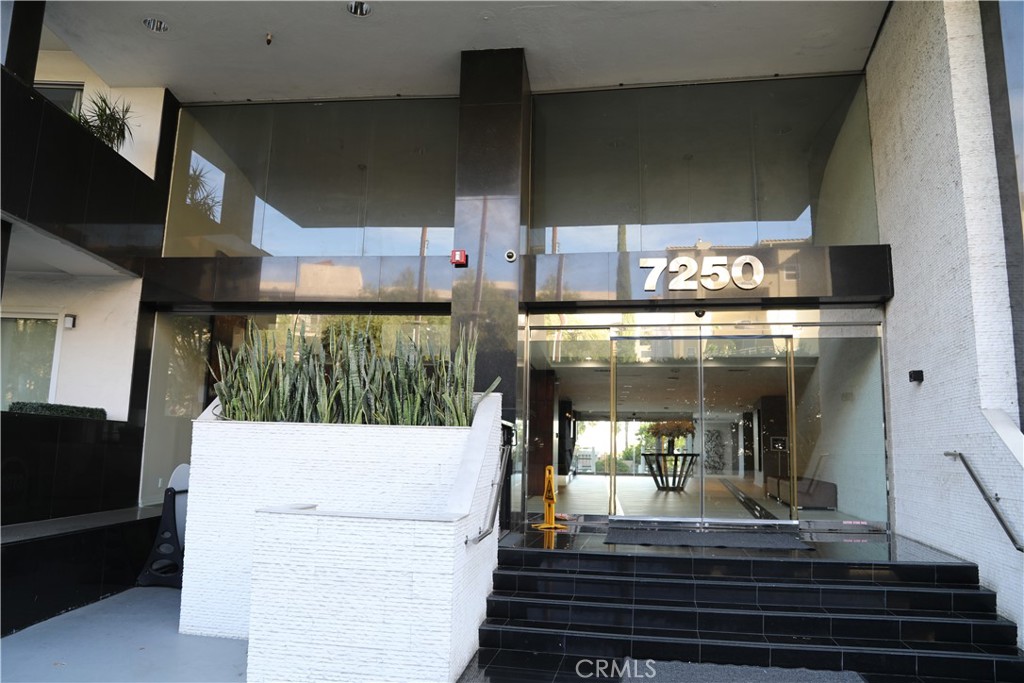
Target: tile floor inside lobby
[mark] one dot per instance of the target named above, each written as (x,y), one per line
(637,495)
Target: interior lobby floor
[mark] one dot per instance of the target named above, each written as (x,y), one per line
(637,495)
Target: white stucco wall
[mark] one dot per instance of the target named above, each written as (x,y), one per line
(146,103)
(95,359)
(939,208)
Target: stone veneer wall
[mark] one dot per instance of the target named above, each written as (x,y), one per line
(239,467)
(338,596)
(939,207)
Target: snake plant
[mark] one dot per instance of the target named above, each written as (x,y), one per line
(347,380)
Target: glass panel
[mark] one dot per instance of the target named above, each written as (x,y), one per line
(177,395)
(569,420)
(67,96)
(745,426)
(840,425)
(727,164)
(219,180)
(433,330)
(657,400)
(373,178)
(783,391)
(27,347)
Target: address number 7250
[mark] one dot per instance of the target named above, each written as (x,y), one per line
(709,272)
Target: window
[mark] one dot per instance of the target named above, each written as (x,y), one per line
(67,96)
(27,359)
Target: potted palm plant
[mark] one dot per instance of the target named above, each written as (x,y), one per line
(108,119)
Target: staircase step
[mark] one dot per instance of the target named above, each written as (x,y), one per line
(778,570)
(756,620)
(860,657)
(691,590)
(887,620)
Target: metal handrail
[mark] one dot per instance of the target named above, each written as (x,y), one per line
(989,498)
(497,484)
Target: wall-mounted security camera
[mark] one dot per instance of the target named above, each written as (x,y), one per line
(699,313)
(511,256)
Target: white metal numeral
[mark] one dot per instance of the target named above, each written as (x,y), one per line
(658,266)
(684,281)
(756,272)
(715,273)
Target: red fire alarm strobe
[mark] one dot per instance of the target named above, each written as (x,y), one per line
(459,258)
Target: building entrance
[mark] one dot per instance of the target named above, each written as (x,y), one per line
(739,417)
(710,417)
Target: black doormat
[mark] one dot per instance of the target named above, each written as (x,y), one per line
(768,540)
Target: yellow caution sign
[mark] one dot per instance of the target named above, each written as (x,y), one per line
(549,502)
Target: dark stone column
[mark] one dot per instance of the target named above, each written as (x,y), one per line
(491,200)
(23,41)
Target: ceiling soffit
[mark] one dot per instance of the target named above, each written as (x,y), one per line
(218,52)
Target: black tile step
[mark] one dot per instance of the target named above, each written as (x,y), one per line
(822,571)
(756,620)
(686,590)
(755,652)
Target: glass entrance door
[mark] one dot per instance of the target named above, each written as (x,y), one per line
(771,414)
(711,419)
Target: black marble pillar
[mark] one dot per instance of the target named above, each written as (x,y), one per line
(491,200)
(23,41)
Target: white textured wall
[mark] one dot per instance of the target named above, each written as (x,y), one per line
(389,596)
(938,206)
(346,599)
(95,363)
(238,467)
(146,103)
(845,212)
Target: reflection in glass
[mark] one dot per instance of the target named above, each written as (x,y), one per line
(27,346)
(432,330)
(177,395)
(373,178)
(700,166)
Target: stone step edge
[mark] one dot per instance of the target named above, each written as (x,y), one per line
(939,617)
(881,651)
(749,579)
(739,581)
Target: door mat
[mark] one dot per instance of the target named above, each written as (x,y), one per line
(768,540)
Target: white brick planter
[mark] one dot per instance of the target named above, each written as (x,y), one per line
(373,576)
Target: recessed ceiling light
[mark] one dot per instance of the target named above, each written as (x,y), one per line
(156,25)
(359,9)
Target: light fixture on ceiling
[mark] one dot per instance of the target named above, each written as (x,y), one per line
(156,25)
(359,9)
